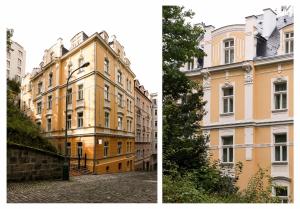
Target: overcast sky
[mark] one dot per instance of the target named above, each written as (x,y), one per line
(136,24)
(220,13)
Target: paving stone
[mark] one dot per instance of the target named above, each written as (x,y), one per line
(130,187)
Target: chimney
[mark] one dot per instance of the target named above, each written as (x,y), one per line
(269,22)
(207,46)
(250,39)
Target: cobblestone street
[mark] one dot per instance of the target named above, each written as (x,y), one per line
(131,187)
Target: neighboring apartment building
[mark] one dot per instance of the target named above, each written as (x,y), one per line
(100,102)
(154,98)
(15,62)
(143,128)
(247,77)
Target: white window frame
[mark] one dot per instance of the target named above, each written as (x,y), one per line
(79,120)
(106,65)
(39,107)
(80,63)
(119,148)
(49,103)
(228,49)
(119,77)
(19,62)
(50,80)
(80,92)
(281,145)
(69,95)
(120,100)
(106,149)
(106,92)
(106,119)
(226,133)
(49,124)
(228,148)
(69,121)
(279,130)
(288,41)
(40,87)
(281,93)
(120,122)
(228,97)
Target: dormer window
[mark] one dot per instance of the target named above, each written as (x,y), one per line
(289,42)
(229,51)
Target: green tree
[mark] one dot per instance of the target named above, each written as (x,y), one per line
(181,117)
(184,146)
(20,128)
(259,188)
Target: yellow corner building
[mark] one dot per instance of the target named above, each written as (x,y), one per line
(100,102)
(247,77)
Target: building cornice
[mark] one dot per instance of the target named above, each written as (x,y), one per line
(199,71)
(228,28)
(273,59)
(98,37)
(245,123)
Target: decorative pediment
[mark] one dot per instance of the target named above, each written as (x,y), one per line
(280,79)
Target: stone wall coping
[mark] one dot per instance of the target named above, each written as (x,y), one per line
(11,144)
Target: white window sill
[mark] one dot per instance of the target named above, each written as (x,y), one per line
(280,163)
(227,114)
(279,110)
(228,164)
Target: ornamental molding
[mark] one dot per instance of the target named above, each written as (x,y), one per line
(206,79)
(248,77)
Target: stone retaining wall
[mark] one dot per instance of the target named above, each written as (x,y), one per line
(27,163)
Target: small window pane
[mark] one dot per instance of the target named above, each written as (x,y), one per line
(226,56)
(280,138)
(280,86)
(283,101)
(225,106)
(231,154)
(226,44)
(281,191)
(228,91)
(231,104)
(292,46)
(277,153)
(277,101)
(227,140)
(287,35)
(287,47)
(224,154)
(284,153)
(231,55)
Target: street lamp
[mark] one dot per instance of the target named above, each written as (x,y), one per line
(66,163)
